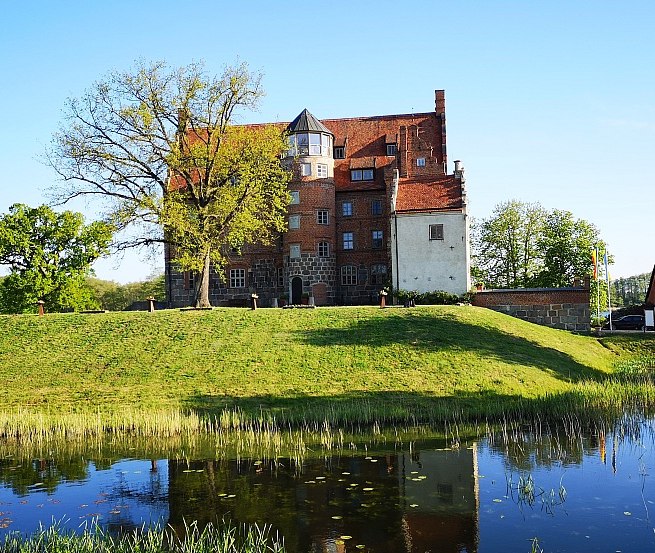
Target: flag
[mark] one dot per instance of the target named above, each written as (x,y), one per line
(594,260)
(607,271)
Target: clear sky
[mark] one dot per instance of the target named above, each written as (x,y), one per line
(546,101)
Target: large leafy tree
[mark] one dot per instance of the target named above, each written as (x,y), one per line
(565,245)
(159,145)
(48,255)
(523,245)
(505,245)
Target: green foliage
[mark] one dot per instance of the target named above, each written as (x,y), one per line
(506,252)
(226,538)
(158,144)
(565,245)
(436,297)
(48,255)
(113,296)
(523,245)
(630,291)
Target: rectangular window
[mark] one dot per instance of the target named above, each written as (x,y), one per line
(349,275)
(391,149)
(436,232)
(323,249)
(339,152)
(305,169)
(314,144)
(295,197)
(321,171)
(294,251)
(302,141)
(326,144)
(189,280)
(379,274)
(361,174)
(420,162)
(376,207)
(237,278)
(294,221)
(280,277)
(348,241)
(322,217)
(377,239)
(347,209)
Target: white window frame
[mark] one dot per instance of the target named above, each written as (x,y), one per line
(305,169)
(349,275)
(348,240)
(391,149)
(294,251)
(321,170)
(322,217)
(436,232)
(323,249)
(347,209)
(295,197)
(237,278)
(420,162)
(294,222)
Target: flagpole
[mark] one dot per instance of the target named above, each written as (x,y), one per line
(607,278)
(597,287)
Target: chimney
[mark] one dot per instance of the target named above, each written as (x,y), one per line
(459,170)
(440,110)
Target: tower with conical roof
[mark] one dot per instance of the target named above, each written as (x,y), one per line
(309,244)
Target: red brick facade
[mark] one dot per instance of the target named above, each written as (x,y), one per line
(337,247)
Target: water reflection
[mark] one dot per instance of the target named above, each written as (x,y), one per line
(400,501)
(574,491)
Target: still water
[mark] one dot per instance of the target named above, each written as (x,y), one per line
(574,491)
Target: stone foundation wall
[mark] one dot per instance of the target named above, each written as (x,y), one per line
(564,308)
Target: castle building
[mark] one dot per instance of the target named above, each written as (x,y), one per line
(372,205)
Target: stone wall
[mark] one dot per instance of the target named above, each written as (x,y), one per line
(565,308)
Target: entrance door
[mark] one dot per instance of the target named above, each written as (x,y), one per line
(296,290)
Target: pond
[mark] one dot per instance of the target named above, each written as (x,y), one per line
(572,490)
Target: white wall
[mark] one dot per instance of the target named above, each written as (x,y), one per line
(425,265)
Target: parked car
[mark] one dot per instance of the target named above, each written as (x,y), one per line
(629,322)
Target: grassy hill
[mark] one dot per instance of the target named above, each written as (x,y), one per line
(295,361)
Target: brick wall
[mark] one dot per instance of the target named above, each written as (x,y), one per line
(565,308)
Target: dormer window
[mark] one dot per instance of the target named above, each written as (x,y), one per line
(391,149)
(339,152)
(361,174)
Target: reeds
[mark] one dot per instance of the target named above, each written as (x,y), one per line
(225,538)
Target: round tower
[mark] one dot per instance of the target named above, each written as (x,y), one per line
(309,244)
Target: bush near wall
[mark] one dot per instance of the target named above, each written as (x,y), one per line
(436,297)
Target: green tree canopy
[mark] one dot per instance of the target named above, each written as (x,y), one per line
(159,145)
(523,245)
(48,255)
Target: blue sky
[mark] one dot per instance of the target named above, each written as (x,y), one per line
(550,102)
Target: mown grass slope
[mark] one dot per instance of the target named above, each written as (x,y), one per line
(210,360)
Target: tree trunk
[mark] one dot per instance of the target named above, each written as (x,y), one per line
(202,294)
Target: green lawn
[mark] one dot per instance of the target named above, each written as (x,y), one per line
(293,359)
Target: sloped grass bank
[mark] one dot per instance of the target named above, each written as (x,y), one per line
(173,371)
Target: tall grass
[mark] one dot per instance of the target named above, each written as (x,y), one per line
(225,538)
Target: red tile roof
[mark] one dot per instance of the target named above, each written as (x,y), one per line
(436,194)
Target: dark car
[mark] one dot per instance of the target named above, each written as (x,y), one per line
(629,322)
